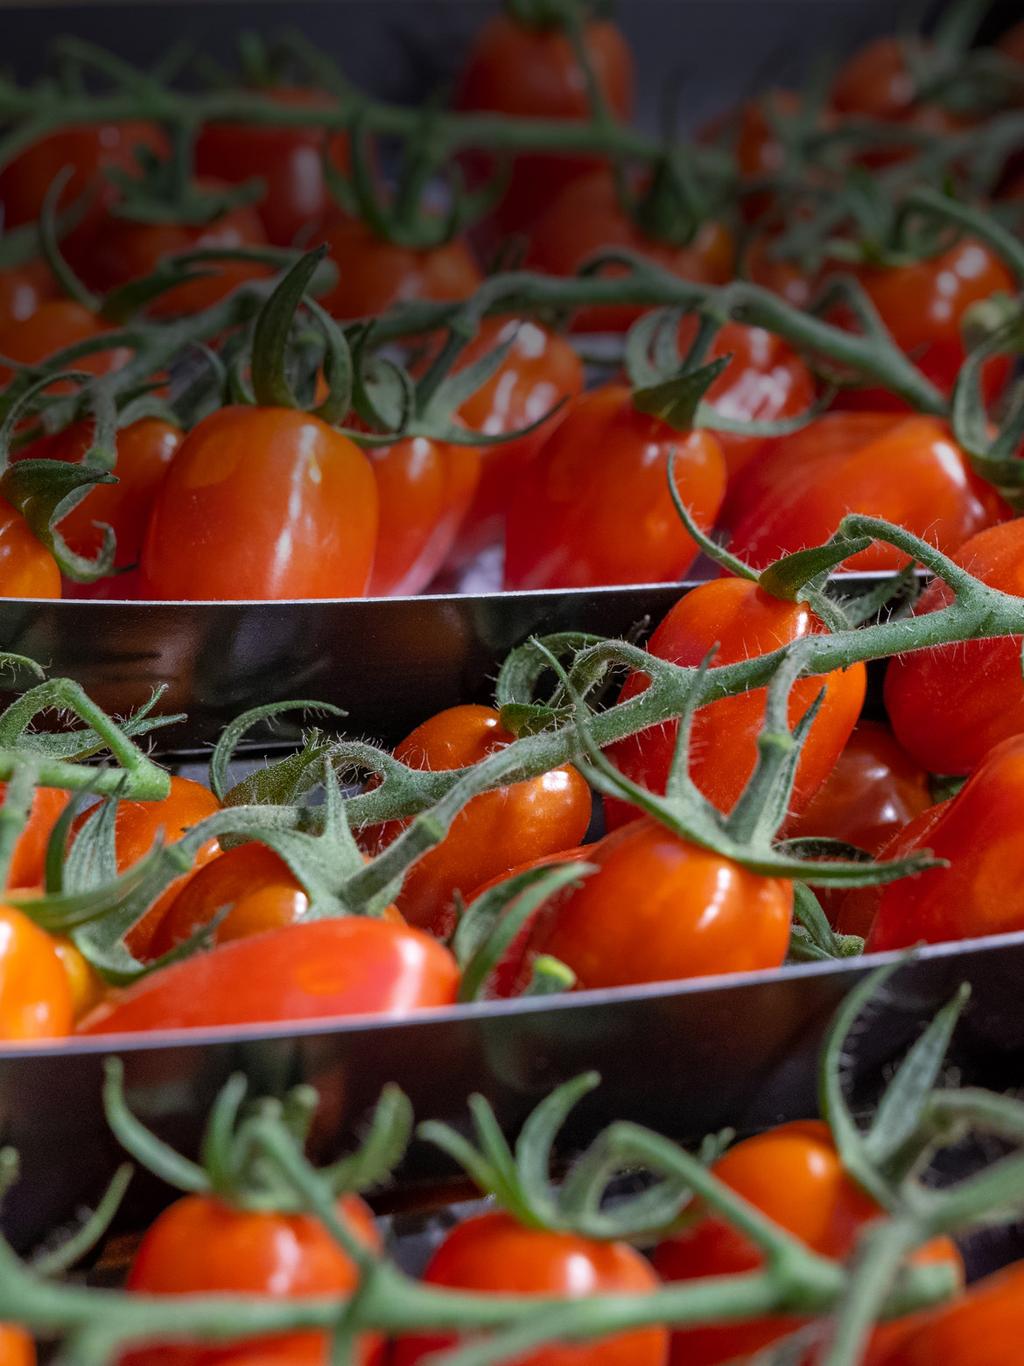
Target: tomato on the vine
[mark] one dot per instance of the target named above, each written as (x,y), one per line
(597,508)
(16,1347)
(35,994)
(262,503)
(374,273)
(493,1253)
(27,861)
(27,569)
(23,289)
(743,621)
(56,324)
(982,1327)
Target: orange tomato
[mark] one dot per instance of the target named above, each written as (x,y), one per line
(27,569)
(35,994)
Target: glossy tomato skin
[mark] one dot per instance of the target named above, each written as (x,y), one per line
(493,1253)
(982,890)
(315,970)
(23,289)
(540,371)
(144,451)
(600,477)
(424,490)
(27,569)
(513,68)
(16,1347)
(35,995)
(262,503)
(201,1245)
(984,1327)
(876,80)
(496,830)
(661,909)
(29,856)
(374,274)
(950,705)
(56,324)
(587,219)
(907,470)
(742,620)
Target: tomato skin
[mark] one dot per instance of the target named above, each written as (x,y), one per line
(222,527)
(982,891)
(877,80)
(496,830)
(950,705)
(374,274)
(29,856)
(424,488)
(984,1327)
(855,910)
(491,1252)
(586,219)
(319,970)
(200,1245)
(27,569)
(907,470)
(574,523)
(35,995)
(87,988)
(55,324)
(23,289)
(540,370)
(743,621)
(515,69)
(16,1347)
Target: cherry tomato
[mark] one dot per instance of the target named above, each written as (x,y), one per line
(576,522)
(949,706)
(27,569)
(35,995)
(982,890)
(743,621)
(794,1175)
(201,1245)
(16,1347)
(144,451)
(23,289)
(908,470)
(854,910)
(493,1253)
(262,503)
(984,1327)
(519,69)
(587,218)
(373,274)
(87,988)
(56,324)
(878,80)
(661,909)
(782,276)
(29,856)
(496,830)
(424,488)
(540,370)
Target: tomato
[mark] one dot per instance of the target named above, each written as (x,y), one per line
(984,1327)
(373,274)
(908,470)
(777,273)
(540,370)
(202,1245)
(56,324)
(949,706)
(317,970)
(515,68)
(492,1253)
(289,161)
(26,868)
(742,620)
(660,909)
(577,521)
(424,489)
(27,569)
(982,891)
(853,911)
(23,289)
(587,218)
(496,830)
(87,987)
(16,1347)
(262,503)
(35,995)
(144,451)
(794,1175)
(1011,43)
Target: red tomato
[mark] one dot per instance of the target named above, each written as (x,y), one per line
(27,569)
(424,489)
(577,522)
(201,1245)
(984,1327)
(16,1347)
(35,995)
(908,470)
(779,274)
(1012,42)
(23,289)
(262,503)
(950,705)
(540,370)
(743,621)
(492,1253)
(55,324)
(854,910)
(317,970)
(496,830)
(794,1175)
(29,857)
(514,68)
(289,161)
(660,909)
(982,891)
(587,218)
(144,451)
(373,274)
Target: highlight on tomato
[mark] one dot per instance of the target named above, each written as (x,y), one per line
(35,994)
(22,289)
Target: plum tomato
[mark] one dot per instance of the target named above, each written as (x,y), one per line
(373,273)
(27,569)
(56,324)
(35,994)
